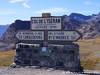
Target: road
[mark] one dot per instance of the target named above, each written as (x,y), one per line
(33,71)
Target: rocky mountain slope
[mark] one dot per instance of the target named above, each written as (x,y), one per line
(9,36)
(88,26)
(8,40)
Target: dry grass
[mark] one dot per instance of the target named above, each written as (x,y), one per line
(6,58)
(90,53)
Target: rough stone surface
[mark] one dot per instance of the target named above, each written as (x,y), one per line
(64,57)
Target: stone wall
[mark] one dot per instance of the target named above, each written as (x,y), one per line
(55,56)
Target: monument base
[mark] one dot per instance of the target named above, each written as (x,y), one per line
(64,57)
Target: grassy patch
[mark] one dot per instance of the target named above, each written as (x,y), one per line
(90,63)
(6,58)
(89,53)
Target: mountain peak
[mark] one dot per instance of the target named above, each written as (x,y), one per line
(79,16)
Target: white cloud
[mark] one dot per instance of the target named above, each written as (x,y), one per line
(87,2)
(92,3)
(26,5)
(24,2)
(15,1)
(51,10)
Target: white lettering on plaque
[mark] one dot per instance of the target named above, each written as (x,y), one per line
(63,35)
(51,23)
(30,35)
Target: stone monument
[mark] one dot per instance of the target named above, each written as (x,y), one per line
(46,44)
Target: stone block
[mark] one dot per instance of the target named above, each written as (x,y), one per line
(56,56)
(30,56)
(44,63)
(35,62)
(23,55)
(18,54)
(19,50)
(27,62)
(18,61)
(36,51)
(29,50)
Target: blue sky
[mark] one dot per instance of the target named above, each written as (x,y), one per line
(10,10)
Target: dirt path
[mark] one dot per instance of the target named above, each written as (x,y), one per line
(32,71)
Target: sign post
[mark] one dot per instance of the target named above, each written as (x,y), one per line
(27,36)
(47,29)
(63,35)
(30,35)
(53,37)
(48,23)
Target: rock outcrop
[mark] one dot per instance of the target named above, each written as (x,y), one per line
(8,38)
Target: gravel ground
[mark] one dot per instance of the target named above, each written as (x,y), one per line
(33,71)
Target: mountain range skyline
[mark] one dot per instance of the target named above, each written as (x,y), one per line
(10,10)
(70,15)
